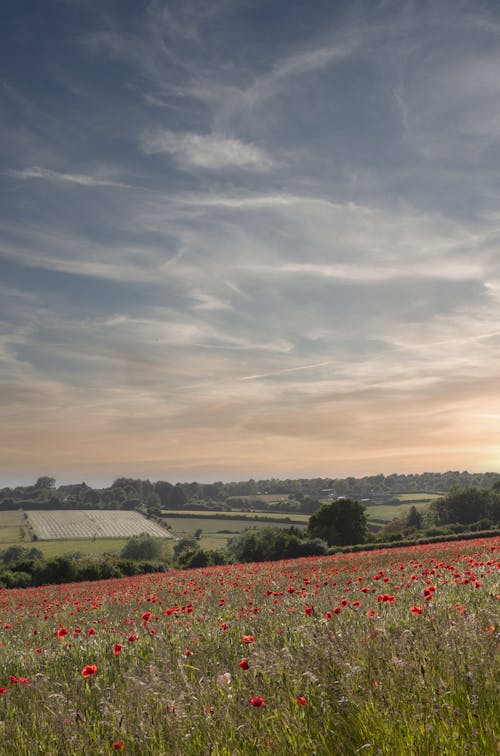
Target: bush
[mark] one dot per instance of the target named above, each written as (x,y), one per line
(141,547)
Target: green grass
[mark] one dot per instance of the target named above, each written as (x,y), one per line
(217,531)
(11,522)
(290,518)
(386,512)
(84,546)
(419,496)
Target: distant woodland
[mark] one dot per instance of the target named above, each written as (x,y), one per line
(295,494)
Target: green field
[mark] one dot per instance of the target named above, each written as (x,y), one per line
(423,496)
(216,531)
(11,522)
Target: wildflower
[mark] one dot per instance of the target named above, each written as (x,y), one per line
(188,652)
(89,670)
(132,637)
(91,631)
(14,679)
(371,613)
(3,691)
(117,649)
(146,616)
(62,632)
(328,615)
(248,639)
(309,611)
(301,700)
(244,664)
(416,610)
(257,701)
(118,745)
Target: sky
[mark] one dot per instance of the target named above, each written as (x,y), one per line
(248,238)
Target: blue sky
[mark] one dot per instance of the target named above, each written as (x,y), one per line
(248,239)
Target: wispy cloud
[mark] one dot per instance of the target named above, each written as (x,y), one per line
(208,151)
(45,174)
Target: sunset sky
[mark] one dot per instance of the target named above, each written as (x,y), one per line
(248,238)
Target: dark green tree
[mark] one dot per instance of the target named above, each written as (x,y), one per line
(339,523)
(141,547)
(414,518)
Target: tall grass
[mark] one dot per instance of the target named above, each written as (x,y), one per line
(334,676)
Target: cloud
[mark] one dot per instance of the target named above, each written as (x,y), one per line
(35,172)
(208,151)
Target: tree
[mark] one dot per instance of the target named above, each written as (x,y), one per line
(141,547)
(414,518)
(339,523)
(177,498)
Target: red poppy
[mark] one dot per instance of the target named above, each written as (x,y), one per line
(244,664)
(3,691)
(188,652)
(62,632)
(89,670)
(117,649)
(132,637)
(257,701)
(14,679)
(416,610)
(118,745)
(248,639)
(301,700)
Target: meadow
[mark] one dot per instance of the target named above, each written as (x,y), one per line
(383,652)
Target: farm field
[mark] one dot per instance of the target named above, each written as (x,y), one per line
(423,496)
(91,523)
(389,652)
(384,513)
(11,522)
(216,531)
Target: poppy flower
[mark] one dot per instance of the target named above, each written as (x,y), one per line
(257,701)
(244,664)
(132,637)
(416,610)
(117,649)
(89,670)
(301,700)
(62,632)
(248,639)
(118,745)
(14,679)
(3,691)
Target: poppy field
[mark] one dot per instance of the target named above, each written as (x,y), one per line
(381,652)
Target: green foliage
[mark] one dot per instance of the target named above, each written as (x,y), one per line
(467,505)
(270,544)
(340,522)
(142,547)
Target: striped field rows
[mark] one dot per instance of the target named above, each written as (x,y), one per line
(92,523)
